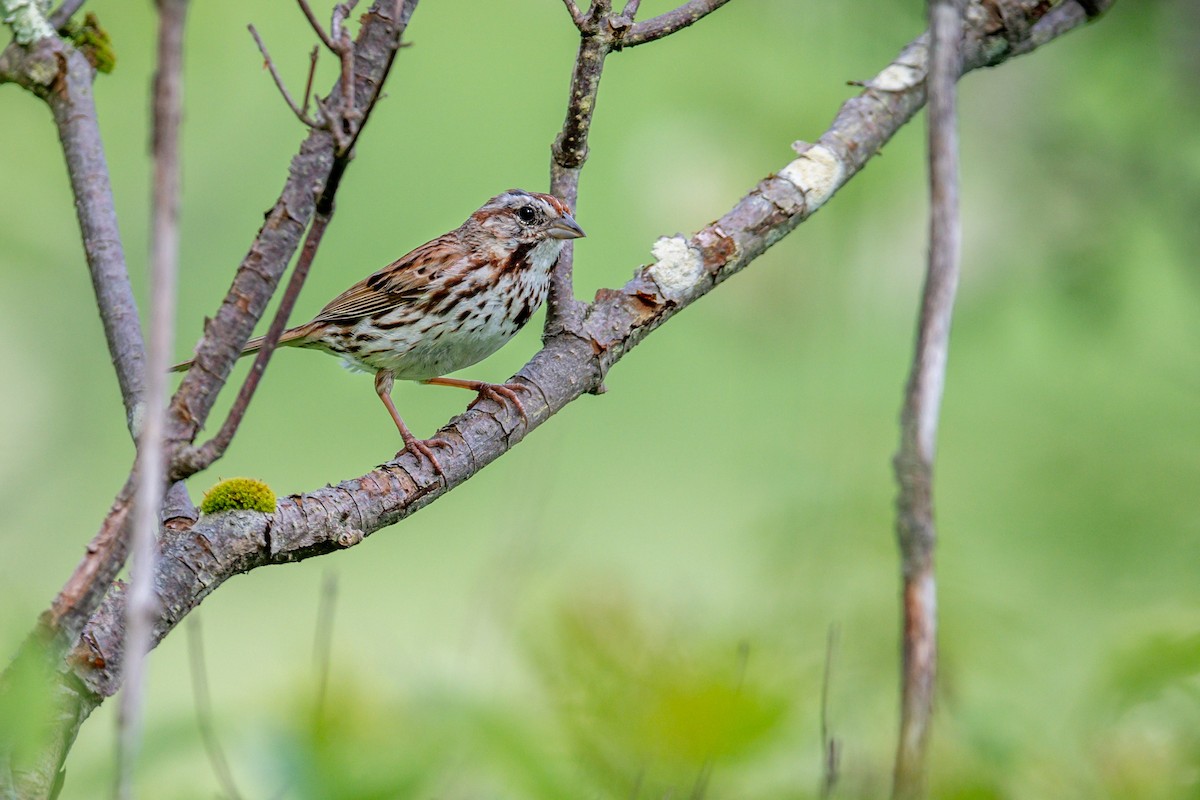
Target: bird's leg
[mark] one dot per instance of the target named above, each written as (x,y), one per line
(491,391)
(383,388)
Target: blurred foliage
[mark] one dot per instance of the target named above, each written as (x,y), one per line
(634,602)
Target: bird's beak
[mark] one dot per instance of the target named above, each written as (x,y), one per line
(565,227)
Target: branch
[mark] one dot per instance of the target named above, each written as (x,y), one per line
(687,14)
(301,112)
(196,459)
(64,13)
(577,16)
(142,607)
(919,419)
(601,31)
(59,74)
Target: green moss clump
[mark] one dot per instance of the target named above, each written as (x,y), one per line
(238,493)
(93,42)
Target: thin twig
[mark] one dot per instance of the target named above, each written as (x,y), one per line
(831,746)
(312,72)
(270,65)
(202,700)
(576,15)
(64,12)
(202,457)
(141,607)
(631,9)
(316,25)
(913,463)
(665,24)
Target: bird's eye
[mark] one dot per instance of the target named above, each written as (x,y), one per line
(526,214)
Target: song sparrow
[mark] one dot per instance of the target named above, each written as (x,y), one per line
(446,305)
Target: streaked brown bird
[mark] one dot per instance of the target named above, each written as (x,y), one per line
(448,304)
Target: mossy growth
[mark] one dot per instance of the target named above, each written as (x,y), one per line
(238,493)
(93,41)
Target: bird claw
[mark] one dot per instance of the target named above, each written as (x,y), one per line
(423,447)
(499,392)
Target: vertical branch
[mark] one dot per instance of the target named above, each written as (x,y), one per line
(569,152)
(79,130)
(913,463)
(141,608)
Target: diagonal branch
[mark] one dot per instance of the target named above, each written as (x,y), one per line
(677,19)
(59,74)
(301,112)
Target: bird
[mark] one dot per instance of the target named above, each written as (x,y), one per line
(445,306)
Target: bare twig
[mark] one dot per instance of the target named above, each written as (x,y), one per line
(316,25)
(59,74)
(64,12)
(312,72)
(576,15)
(665,24)
(141,606)
(568,154)
(300,112)
(631,9)
(831,747)
(915,529)
(196,459)
(203,703)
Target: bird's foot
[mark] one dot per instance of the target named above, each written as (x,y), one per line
(500,392)
(425,447)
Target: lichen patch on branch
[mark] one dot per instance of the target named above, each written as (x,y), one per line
(900,76)
(818,173)
(678,266)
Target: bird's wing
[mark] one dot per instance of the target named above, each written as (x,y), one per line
(403,282)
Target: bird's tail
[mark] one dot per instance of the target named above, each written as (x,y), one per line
(292,337)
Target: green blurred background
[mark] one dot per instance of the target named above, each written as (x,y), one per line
(635,602)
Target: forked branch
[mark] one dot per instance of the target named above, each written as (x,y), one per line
(301,111)
(601,31)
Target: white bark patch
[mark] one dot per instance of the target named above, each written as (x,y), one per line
(818,173)
(27,18)
(902,76)
(678,266)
